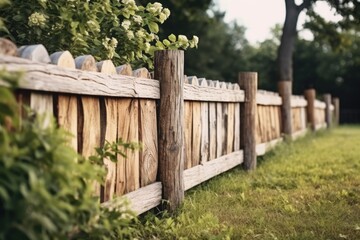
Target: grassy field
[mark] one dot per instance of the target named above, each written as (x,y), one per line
(308,189)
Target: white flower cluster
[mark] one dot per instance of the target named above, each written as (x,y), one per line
(37,19)
(110,45)
(157,10)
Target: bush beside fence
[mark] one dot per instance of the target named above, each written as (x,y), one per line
(192,129)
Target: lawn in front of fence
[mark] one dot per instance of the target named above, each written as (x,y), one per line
(308,189)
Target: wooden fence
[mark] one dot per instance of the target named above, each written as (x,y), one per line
(191,129)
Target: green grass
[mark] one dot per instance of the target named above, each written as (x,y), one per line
(308,189)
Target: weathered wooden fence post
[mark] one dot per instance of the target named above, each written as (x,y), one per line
(336,103)
(310,109)
(248,81)
(169,70)
(328,118)
(285,91)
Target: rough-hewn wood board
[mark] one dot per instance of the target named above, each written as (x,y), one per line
(204,149)
(111,130)
(212,94)
(46,77)
(90,129)
(230,128)
(147,135)
(236,126)
(188,134)
(128,114)
(67,105)
(140,200)
(262,148)
(68,116)
(210,169)
(196,133)
(149,140)
(42,104)
(212,130)
(266,99)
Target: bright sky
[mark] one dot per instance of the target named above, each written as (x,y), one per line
(258,16)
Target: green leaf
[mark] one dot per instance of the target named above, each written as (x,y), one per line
(172,38)
(154,27)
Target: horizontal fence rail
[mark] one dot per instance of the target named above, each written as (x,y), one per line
(191,129)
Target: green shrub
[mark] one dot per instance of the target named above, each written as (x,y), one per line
(45,187)
(107,29)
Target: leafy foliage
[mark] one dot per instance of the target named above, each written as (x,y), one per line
(110,29)
(46,188)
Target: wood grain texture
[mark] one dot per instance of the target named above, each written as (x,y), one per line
(124,70)
(196,133)
(169,69)
(248,82)
(188,119)
(89,125)
(204,149)
(212,94)
(63,59)
(110,126)
(41,103)
(140,200)
(236,122)
(230,128)
(128,170)
(212,127)
(45,77)
(89,130)
(67,105)
(37,53)
(208,170)
(147,136)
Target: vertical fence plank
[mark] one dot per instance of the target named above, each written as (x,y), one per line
(328,118)
(89,128)
(310,95)
(219,124)
(230,124)
(285,91)
(41,103)
(169,70)
(236,122)
(67,105)
(147,136)
(196,128)
(248,82)
(109,128)
(224,125)
(212,126)
(204,153)
(188,122)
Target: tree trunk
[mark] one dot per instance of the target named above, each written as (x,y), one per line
(287,43)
